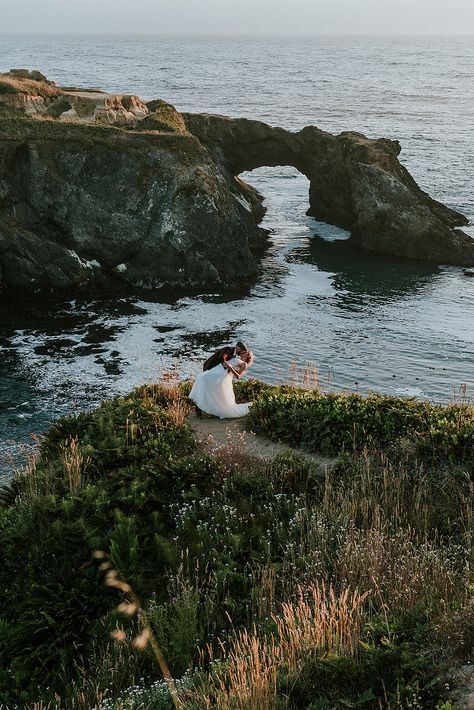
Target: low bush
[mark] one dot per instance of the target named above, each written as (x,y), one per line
(332,423)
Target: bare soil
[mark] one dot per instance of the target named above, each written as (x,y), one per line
(216,433)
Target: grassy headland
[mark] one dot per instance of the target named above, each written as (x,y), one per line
(265,584)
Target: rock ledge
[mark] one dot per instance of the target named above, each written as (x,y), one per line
(106,191)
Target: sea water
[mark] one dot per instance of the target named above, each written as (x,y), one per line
(361,321)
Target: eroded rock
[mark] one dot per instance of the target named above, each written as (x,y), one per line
(105,191)
(356,183)
(102,208)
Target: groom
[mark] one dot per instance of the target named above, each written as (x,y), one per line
(216,357)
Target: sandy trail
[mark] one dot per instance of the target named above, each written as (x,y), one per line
(215,433)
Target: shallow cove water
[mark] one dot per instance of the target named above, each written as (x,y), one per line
(366,322)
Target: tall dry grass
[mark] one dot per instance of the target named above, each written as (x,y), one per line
(401,492)
(75,465)
(13,85)
(32,485)
(400,571)
(304,376)
(177,411)
(264,593)
(319,619)
(250,678)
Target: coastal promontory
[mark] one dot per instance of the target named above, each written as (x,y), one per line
(108,192)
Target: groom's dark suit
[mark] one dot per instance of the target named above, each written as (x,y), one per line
(216,358)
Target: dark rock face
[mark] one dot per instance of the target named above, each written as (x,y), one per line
(119,212)
(355,183)
(101,191)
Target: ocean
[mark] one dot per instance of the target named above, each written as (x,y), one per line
(361,321)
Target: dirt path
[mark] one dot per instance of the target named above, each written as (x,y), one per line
(462,678)
(216,433)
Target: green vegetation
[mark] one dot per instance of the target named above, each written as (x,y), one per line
(21,127)
(165,119)
(265,584)
(17,126)
(331,423)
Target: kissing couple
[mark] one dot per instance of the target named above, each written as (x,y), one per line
(213,391)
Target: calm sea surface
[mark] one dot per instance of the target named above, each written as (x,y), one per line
(364,321)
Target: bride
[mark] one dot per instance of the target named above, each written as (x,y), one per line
(212,390)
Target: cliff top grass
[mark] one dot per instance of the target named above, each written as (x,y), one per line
(18,85)
(14,125)
(167,120)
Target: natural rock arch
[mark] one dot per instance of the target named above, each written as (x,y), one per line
(112,193)
(355,182)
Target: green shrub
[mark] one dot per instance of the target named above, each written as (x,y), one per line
(332,423)
(390,670)
(210,549)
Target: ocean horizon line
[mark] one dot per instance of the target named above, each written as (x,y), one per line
(66,33)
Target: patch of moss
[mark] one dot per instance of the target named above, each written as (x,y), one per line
(167,121)
(15,125)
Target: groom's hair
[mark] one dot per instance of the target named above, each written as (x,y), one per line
(241,345)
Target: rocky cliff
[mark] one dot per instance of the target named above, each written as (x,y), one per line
(355,182)
(109,192)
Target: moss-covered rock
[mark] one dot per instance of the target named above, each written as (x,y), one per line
(165,119)
(90,206)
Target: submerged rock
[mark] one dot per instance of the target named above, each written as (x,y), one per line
(105,191)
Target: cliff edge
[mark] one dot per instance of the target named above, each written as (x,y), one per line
(105,191)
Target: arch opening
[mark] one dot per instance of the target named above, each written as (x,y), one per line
(286,192)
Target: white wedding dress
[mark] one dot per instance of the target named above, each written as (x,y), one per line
(213,392)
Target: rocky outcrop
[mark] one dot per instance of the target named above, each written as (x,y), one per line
(26,91)
(106,191)
(35,95)
(86,208)
(99,106)
(355,182)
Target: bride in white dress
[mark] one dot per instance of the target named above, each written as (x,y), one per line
(213,392)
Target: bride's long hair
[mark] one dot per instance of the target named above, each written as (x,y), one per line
(247,357)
